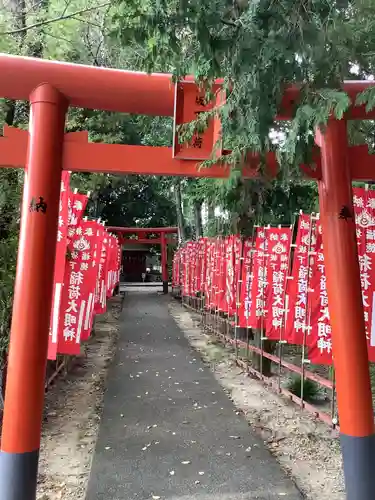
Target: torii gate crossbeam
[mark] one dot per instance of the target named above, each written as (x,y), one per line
(51,87)
(79,155)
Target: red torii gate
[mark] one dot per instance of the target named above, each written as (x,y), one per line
(162,241)
(51,87)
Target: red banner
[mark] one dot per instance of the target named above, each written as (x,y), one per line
(203,243)
(297,286)
(112,265)
(185,270)
(229,299)
(237,255)
(101,281)
(208,291)
(319,340)
(364,208)
(195,264)
(246,285)
(191,267)
(221,282)
(188,270)
(216,263)
(319,332)
(216,285)
(90,229)
(259,280)
(79,286)
(279,241)
(76,207)
(61,244)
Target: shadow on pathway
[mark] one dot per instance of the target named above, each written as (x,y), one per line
(168,430)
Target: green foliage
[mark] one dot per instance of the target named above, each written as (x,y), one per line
(135,201)
(10,195)
(258,48)
(311,390)
(367,98)
(245,202)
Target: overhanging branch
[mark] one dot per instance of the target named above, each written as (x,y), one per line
(55,19)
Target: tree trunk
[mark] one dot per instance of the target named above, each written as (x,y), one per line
(198,219)
(180,215)
(97,210)
(210,212)
(210,224)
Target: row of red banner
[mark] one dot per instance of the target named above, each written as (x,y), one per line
(270,284)
(87,270)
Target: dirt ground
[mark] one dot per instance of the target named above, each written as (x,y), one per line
(72,416)
(305,447)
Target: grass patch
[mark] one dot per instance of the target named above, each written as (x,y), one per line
(311,390)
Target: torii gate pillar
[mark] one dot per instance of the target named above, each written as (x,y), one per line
(346,313)
(24,394)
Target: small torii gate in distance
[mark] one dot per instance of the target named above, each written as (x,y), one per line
(141,233)
(45,151)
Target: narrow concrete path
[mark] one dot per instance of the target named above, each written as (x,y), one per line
(168,431)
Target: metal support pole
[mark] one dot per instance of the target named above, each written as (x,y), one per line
(346,311)
(20,440)
(164,263)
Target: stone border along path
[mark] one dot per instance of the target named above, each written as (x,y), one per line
(168,430)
